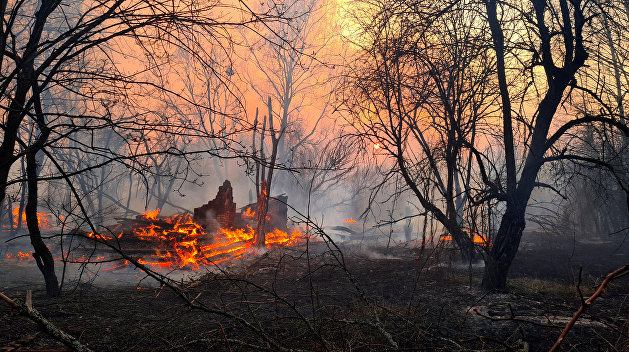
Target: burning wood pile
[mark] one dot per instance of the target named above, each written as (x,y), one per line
(216,233)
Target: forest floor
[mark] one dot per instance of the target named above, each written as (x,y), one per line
(308,300)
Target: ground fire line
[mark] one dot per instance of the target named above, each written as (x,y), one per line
(216,233)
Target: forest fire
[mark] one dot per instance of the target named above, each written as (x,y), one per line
(481,144)
(181,243)
(478,239)
(213,234)
(42,218)
(20,256)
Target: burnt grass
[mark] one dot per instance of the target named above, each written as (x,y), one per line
(307,300)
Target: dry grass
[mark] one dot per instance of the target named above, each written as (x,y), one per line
(533,286)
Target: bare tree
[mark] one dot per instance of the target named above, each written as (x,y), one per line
(560,57)
(66,53)
(537,50)
(421,94)
(265,166)
(596,199)
(292,69)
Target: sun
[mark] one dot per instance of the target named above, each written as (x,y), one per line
(345,14)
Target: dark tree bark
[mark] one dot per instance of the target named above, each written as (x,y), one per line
(43,257)
(263,207)
(504,249)
(18,106)
(264,179)
(513,222)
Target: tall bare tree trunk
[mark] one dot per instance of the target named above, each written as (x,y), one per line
(43,257)
(25,76)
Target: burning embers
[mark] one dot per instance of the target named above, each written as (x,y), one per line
(180,242)
(216,233)
(20,256)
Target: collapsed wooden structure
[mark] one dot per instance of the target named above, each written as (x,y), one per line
(221,212)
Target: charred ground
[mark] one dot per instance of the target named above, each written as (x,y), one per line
(299,299)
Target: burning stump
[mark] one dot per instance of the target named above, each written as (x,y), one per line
(219,212)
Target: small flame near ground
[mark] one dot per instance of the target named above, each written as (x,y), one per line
(478,239)
(249,213)
(151,214)
(349,221)
(20,256)
(42,218)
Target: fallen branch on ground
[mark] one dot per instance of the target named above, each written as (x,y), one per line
(27,310)
(614,275)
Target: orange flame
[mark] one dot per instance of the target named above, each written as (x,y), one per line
(20,256)
(249,213)
(42,218)
(151,215)
(349,221)
(283,238)
(478,239)
(99,236)
(182,243)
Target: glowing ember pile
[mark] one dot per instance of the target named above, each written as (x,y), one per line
(179,242)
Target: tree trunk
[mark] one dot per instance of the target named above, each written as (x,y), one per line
(2,222)
(261,212)
(43,257)
(504,249)
(466,248)
(9,213)
(25,77)
(22,199)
